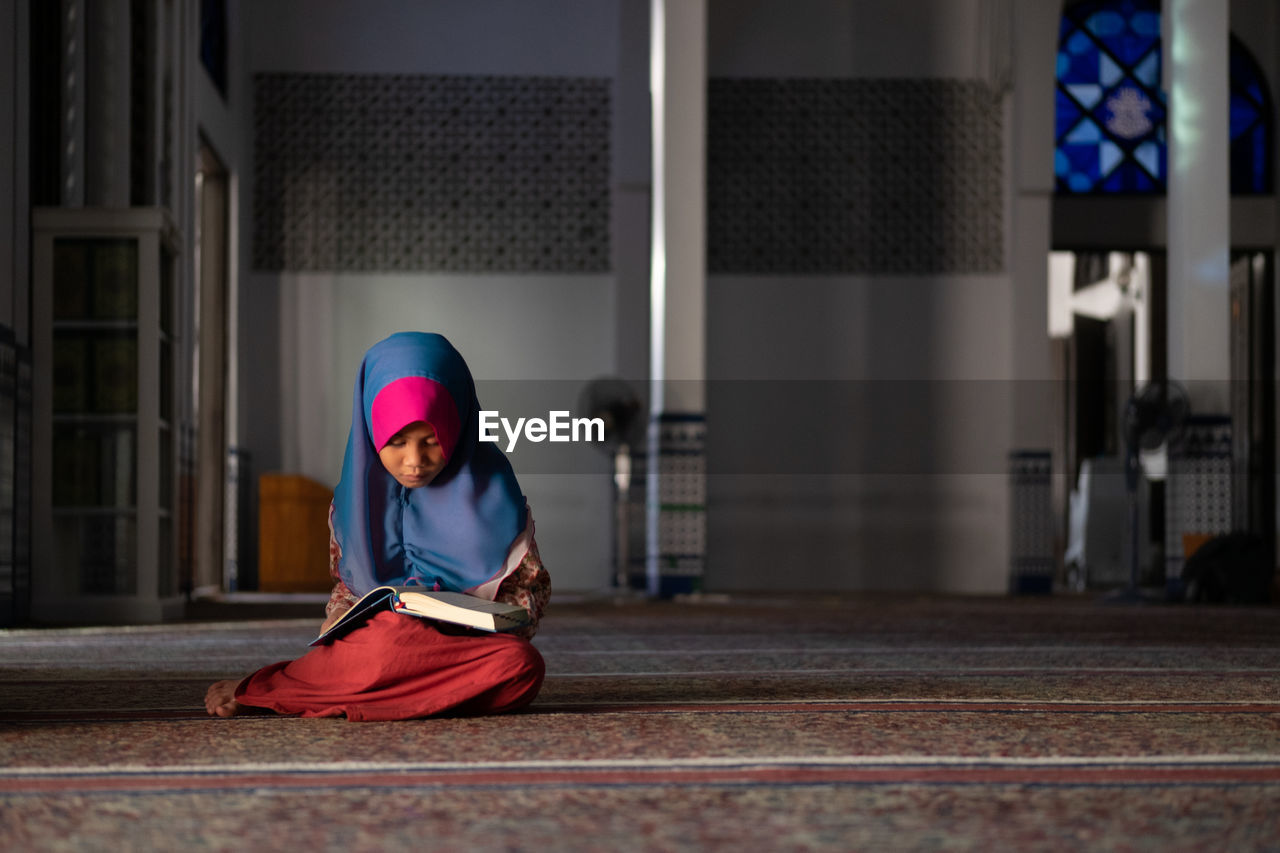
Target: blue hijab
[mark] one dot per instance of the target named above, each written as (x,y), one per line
(461,531)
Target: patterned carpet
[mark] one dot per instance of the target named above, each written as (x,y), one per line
(877,723)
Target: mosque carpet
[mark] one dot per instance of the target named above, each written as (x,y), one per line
(824,723)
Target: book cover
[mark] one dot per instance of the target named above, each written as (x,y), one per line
(455,608)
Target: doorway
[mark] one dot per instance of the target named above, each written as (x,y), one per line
(1253,395)
(209,370)
(1108,319)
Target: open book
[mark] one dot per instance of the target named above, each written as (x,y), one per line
(457,608)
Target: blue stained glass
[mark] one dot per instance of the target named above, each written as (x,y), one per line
(1128,178)
(1085,133)
(1080,44)
(1115,182)
(1243,115)
(1128,112)
(1082,68)
(1148,70)
(1108,71)
(1148,154)
(1251,125)
(1080,183)
(1088,95)
(1245,75)
(1106,24)
(1109,63)
(1067,114)
(1131,48)
(1110,156)
(1155,110)
(1084,158)
(1145,23)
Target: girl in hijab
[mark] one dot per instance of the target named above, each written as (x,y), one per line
(423,502)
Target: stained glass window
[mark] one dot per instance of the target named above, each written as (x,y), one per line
(1111,111)
(1251,144)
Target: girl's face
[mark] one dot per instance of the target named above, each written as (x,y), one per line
(413,455)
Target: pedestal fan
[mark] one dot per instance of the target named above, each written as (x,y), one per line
(1155,415)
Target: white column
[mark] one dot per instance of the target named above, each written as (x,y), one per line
(676,520)
(678,84)
(1196,79)
(1196,75)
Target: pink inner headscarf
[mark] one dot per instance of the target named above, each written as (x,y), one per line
(410,399)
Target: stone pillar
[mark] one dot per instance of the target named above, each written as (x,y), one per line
(676,480)
(1196,79)
(1033,393)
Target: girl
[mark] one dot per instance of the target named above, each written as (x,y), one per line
(421,501)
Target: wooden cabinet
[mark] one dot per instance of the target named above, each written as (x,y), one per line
(293,534)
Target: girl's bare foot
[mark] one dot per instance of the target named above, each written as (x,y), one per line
(220,700)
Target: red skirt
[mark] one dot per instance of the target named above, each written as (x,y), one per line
(398,667)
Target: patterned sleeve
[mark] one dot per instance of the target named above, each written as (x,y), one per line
(341,598)
(529,586)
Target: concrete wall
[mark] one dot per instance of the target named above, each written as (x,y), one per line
(845,38)
(887,399)
(302,335)
(939,345)
(962,340)
(939,527)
